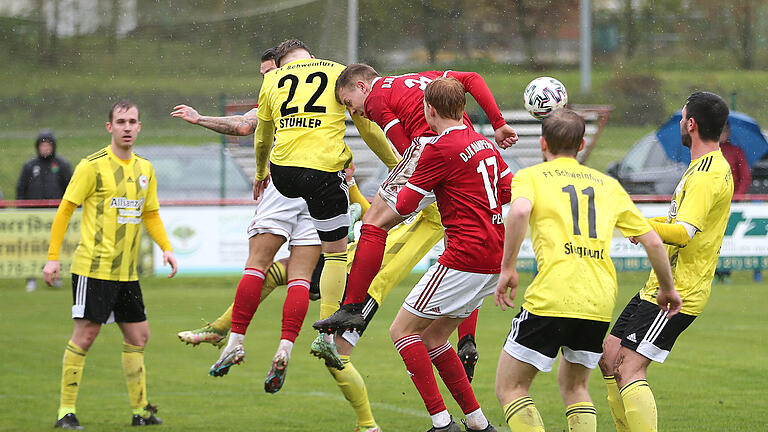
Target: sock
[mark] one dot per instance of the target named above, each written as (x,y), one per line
(224,322)
(418,366)
(441,419)
(639,406)
(135,376)
(295,308)
(247,299)
(234,339)
(332,282)
(616,404)
(582,417)
(275,277)
(71,373)
(452,372)
(468,326)
(352,386)
(368,257)
(522,416)
(356,197)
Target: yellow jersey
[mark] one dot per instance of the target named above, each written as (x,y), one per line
(702,199)
(309,123)
(575,210)
(114,193)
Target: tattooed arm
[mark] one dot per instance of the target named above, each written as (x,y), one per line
(231,125)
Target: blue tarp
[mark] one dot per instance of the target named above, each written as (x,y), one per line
(745,133)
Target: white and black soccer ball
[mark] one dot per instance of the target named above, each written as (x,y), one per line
(544,95)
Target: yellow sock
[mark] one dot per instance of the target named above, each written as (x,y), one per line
(582,417)
(639,406)
(356,197)
(275,277)
(224,322)
(616,404)
(522,416)
(71,374)
(333,280)
(135,376)
(352,386)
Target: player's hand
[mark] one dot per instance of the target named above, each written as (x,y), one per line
(186,113)
(669,301)
(505,136)
(258,187)
(508,279)
(51,271)
(168,258)
(633,240)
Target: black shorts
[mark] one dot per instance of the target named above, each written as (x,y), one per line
(644,328)
(105,301)
(535,340)
(326,195)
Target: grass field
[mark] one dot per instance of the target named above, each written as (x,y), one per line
(714,380)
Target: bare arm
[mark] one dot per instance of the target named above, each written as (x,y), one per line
(667,298)
(239,125)
(515,228)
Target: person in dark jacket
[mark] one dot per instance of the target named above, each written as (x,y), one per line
(43,177)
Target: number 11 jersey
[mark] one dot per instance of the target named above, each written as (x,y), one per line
(575,209)
(309,123)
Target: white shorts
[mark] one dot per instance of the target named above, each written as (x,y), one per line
(445,292)
(399,176)
(286,217)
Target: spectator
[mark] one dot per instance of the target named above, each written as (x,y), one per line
(742,177)
(43,177)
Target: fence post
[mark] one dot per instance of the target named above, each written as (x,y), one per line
(223,152)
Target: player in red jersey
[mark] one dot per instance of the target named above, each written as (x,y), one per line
(470,181)
(395,104)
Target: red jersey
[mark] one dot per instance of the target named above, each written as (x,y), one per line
(396,104)
(470,181)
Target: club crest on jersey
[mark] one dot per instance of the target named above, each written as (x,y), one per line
(143,181)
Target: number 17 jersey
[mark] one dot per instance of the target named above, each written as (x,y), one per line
(309,123)
(575,209)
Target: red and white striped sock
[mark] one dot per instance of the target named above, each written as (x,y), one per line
(452,372)
(417,363)
(295,308)
(247,299)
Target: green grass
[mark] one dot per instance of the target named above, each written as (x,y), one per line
(714,380)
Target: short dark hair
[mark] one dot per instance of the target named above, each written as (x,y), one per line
(447,97)
(288,46)
(351,74)
(563,130)
(270,54)
(123,105)
(710,112)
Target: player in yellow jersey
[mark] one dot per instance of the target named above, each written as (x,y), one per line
(693,231)
(118,191)
(572,211)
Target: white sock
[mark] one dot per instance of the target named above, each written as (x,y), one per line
(441,419)
(234,339)
(476,420)
(285,345)
(328,337)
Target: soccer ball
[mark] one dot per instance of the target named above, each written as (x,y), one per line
(543,95)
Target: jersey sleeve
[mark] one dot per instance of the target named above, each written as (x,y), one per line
(505,181)
(376,109)
(82,184)
(264,110)
(475,85)
(698,198)
(151,203)
(523,187)
(629,220)
(429,172)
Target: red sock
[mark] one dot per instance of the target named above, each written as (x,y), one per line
(368,258)
(452,372)
(295,308)
(468,326)
(247,299)
(416,360)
